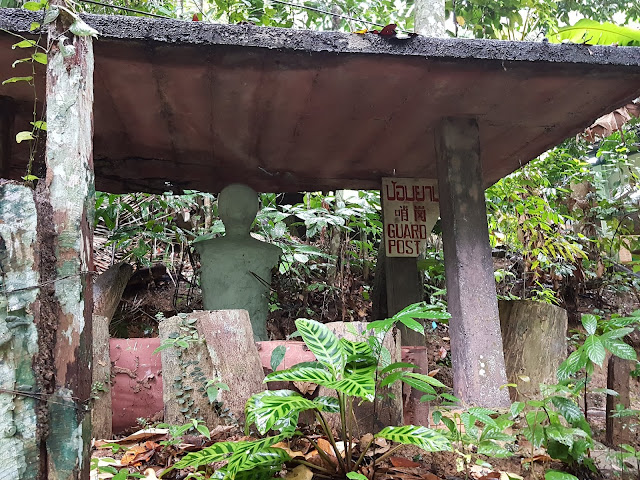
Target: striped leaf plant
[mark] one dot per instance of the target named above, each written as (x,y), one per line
(354,370)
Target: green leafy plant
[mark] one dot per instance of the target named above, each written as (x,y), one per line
(596,33)
(477,427)
(122,474)
(601,336)
(354,370)
(177,431)
(557,423)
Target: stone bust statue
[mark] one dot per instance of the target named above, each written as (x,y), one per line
(236,268)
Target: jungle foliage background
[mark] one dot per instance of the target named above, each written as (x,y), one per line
(556,225)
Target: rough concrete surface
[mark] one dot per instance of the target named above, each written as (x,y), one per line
(195,105)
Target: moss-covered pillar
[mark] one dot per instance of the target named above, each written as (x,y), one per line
(19,386)
(65,203)
(474,328)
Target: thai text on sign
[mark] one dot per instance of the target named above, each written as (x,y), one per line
(410,208)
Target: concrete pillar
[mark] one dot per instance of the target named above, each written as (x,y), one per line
(65,209)
(476,343)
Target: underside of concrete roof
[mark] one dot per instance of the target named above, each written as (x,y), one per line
(188,105)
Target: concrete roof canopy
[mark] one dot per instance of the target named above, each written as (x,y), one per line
(189,105)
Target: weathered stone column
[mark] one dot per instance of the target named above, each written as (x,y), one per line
(65,210)
(19,442)
(476,343)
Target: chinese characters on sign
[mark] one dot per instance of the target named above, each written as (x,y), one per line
(410,208)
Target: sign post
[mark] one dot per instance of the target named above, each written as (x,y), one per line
(410,210)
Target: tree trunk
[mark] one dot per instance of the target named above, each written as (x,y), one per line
(65,222)
(20,419)
(215,355)
(107,292)
(429,17)
(618,429)
(370,417)
(529,328)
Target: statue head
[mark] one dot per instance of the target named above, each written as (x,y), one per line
(237,207)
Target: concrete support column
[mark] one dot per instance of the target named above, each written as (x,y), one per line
(65,218)
(476,342)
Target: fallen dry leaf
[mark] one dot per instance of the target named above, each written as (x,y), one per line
(403,462)
(305,388)
(284,446)
(301,472)
(140,435)
(536,458)
(130,455)
(430,476)
(490,476)
(611,122)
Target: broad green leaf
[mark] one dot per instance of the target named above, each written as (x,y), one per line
(482,414)
(51,15)
(596,33)
(277,356)
(361,386)
(352,348)
(356,476)
(17,79)
(33,6)
(556,475)
(590,323)
(19,61)
(516,408)
(425,379)
(617,333)
(255,402)
(34,26)
(561,434)
(437,416)
(568,409)
(40,57)
(245,461)
(274,408)
(412,324)
(571,365)
(425,438)
(397,365)
(22,136)
(24,44)
(594,349)
(315,375)
(40,125)
(81,29)
(323,344)
(327,404)
(620,349)
(492,449)
(417,384)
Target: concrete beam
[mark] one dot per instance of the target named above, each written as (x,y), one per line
(476,342)
(66,199)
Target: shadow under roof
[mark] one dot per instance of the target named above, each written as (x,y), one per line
(198,106)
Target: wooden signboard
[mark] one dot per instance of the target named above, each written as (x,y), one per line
(410,209)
